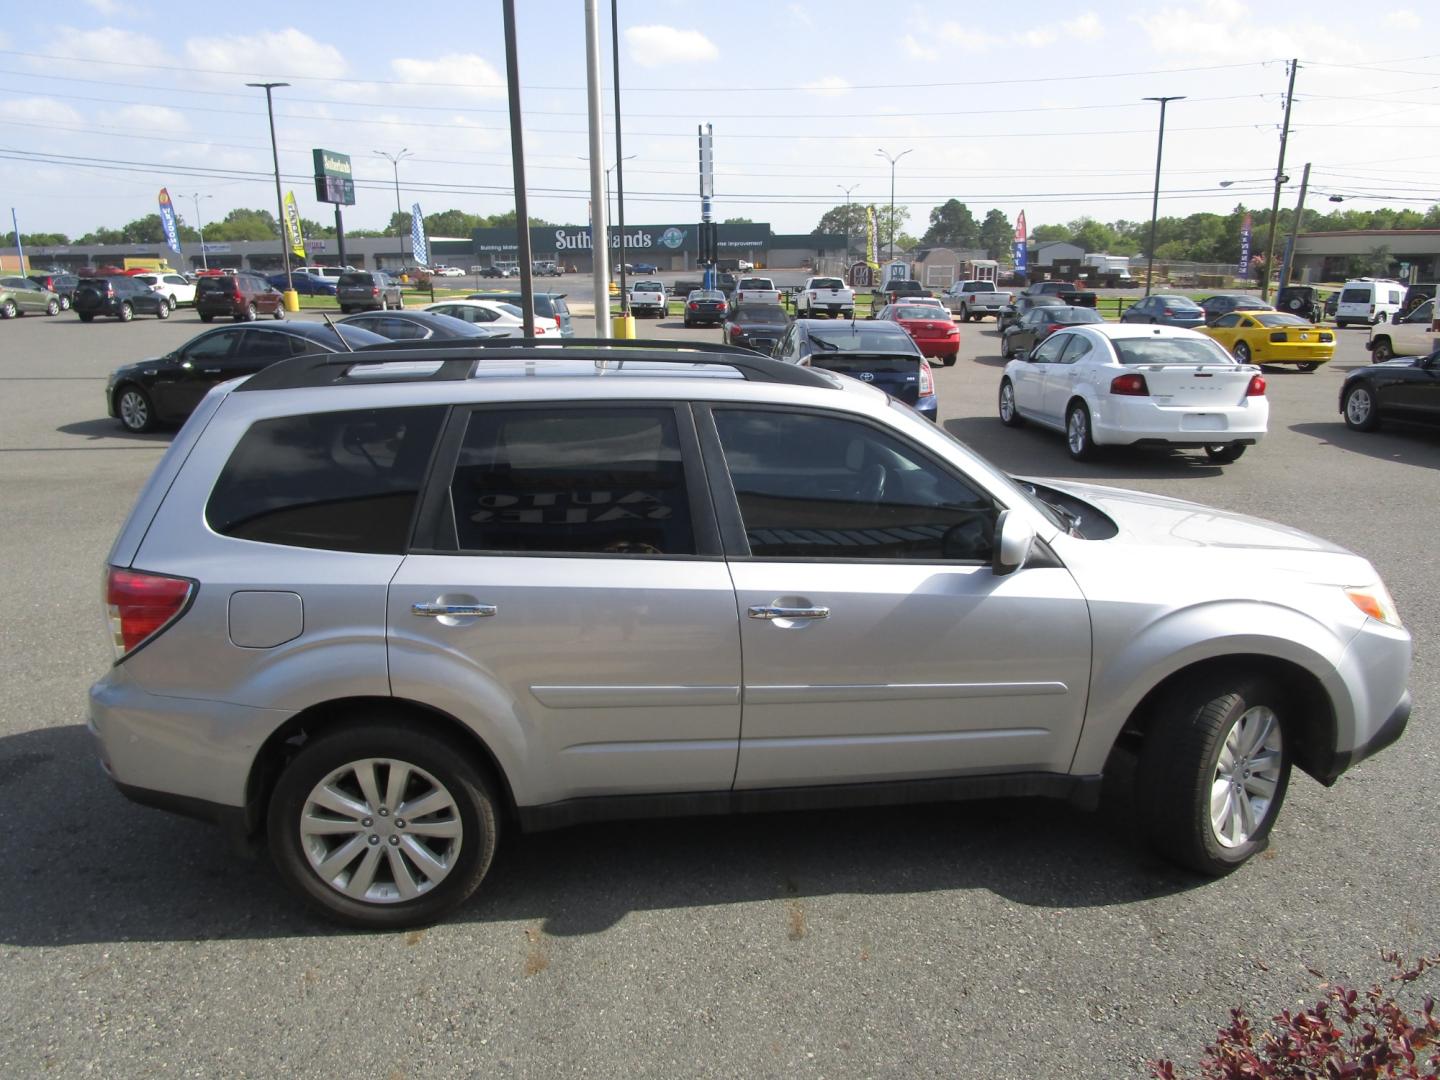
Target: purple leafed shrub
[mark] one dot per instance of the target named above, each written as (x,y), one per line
(1345,1035)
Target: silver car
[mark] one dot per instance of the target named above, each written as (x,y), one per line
(373,608)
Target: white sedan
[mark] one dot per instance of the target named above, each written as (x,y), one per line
(1125,385)
(495,314)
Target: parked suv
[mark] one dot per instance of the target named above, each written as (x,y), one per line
(118,296)
(243,297)
(62,285)
(368,290)
(375,607)
(548,305)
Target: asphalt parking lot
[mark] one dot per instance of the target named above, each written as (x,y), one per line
(997,939)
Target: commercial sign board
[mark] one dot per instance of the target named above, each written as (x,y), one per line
(654,239)
(334,177)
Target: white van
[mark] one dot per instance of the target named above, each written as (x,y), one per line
(1369,301)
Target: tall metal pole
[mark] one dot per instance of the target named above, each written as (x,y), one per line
(395,160)
(619,152)
(1155,202)
(892,161)
(517,159)
(1294,228)
(847,191)
(19,246)
(279,199)
(1280,178)
(599,234)
(199,225)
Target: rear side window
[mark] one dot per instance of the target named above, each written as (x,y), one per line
(1355,296)
(572,481)
(343,481)
(354,279)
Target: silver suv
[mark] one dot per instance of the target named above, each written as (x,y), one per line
(376,607)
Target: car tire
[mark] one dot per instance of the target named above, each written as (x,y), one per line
(1340,324)
(1241,352)
(162,310)
(344,310)
(447,862)
(1359,409)
(1079,439)
(1219,736)
(250,313)
(384,304)
(1006,352)
(1381,350)
(135,409)
(949,361)
(205,316)
(279,313)
(172,302)
(126,312)
(400,304)
(86,316)
(1308,366)
(64,303)
(1224,453)
(1009,414)
(8,310)
(52,308)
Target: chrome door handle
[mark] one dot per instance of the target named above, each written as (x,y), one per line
(435,611)
(764,611)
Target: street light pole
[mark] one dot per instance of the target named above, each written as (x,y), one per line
(847,191)
(1155,202)
(279,199)
(395,160)
(200,225)
(892,161)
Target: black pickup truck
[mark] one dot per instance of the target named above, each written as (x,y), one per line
(1067,291)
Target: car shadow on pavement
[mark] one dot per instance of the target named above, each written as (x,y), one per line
(1405,444)
(86,866)
(109,428)
(1035,451)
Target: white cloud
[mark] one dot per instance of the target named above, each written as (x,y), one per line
(968,39)
(800,15)
(280,51)
(1038,38)
(40,110)
(157,119)
(654,46)
(470,76)
(916,51)
(1086,27)
(1403,19)
(828,86)
(106,43)
(108,8)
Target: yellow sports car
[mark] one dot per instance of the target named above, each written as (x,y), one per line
(1272,337)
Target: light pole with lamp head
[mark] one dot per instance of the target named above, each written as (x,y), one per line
(395,160)
(892,161)
(847,191)
(199,225)
(292,299)
(1155,202)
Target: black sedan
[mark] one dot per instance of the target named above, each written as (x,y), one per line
(1039,323)
(1407,389)
(166,390)
(756,326)
(1224,303)
(419,326)
(1011,313)
(706,306)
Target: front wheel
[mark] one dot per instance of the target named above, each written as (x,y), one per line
(86,316)
(171,302)
(381,826)
(205,316)
(126,312)
(52,308)
(1359,409)
(137,413)
(279,313)
(1309,366)
(1242,353)
(1213,771)
(1224,453)
(1381,351)
(162,311)
(1078,438)
(1009,415)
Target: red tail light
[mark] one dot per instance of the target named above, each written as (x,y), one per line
(1168,312)
(142,604)
(1056,326)
(927,380)
(237,296)
(1129,385)
(1256,387)
(736,330)
(557,324)
(375,291)
(694,306)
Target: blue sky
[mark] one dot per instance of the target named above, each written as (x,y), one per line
(105,103)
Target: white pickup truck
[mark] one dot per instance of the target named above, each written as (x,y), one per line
(755,290)
(825,296)
(647,298)
(974,300)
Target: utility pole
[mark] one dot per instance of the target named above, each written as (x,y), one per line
(517,159)
(200,226)
(394,160)
(1294,229)
(1279,179)
(599,233)
(847,191)
(1155,202)
(619,158)
(290,295)
(892,161)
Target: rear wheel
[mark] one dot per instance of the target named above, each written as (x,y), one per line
(205,316)
(126,312)
(162,310)
(950,360)
(1242,352)
(1224,453)
(171,301)
(1009,415)
(1213,771)
(1309,366)
(1359,408)
(381,826)
(137,413)
(64,303)
(52,308)
(1381,350)
(86,316)
(250,313)
(384,304)
(1078,439)
(280,312)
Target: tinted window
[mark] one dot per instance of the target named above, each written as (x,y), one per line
(1355,296)
(1077,347)
(1227,321)
(215,285)
(343,481)
(827,283)
(761,313)
(826,487)
(1160,350)
(572,480)
(267,345)
(1266,318)
(857,336)
(355,279)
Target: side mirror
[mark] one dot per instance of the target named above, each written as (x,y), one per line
(1023,355)
(1013,539)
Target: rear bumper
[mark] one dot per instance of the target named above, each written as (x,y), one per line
(938,346)
(1274,352)
(1119,421)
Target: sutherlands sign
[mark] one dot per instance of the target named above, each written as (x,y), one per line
(334,177)
(657,239)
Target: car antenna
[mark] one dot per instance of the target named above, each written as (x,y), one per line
(328,322)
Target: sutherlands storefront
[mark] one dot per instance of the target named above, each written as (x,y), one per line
(669,247)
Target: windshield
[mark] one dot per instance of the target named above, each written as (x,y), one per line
(1265,318)
(760,313)
(357,336)
(1179,303)
(648,286)
(1072,316)
(855,338)
(917,311)
(827,283)
(1170,350)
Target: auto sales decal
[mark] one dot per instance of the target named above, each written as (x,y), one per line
(568,507)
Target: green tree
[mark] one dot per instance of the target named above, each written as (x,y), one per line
(242,224)
(451,223)
(1043,234)
(737,221)
(997,235)
(1092,235)
(847,219)
(890,222)
(39,239)
(952,225)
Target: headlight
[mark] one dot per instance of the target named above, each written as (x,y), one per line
(1375,601)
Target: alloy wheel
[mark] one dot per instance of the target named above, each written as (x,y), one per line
(134,410)
(1247,775)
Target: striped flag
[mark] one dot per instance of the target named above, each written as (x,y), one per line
(419,249)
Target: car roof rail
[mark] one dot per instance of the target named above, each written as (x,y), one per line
(458,359)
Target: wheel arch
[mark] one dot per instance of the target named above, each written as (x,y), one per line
(315,720)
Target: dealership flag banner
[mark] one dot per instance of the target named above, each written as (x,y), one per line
(418,247)
(167,222)
(293,236)
(872,239)
(1245,247)
(1022,248)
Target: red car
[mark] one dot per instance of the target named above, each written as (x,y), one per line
(932,328)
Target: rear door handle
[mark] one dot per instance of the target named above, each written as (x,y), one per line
(436,611)
(769,612)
